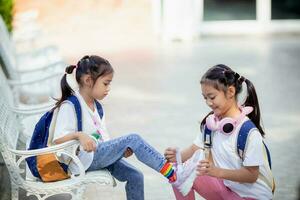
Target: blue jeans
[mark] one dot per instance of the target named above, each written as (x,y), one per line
(109,155)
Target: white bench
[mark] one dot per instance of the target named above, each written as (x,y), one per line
(75,186)
(26,113)
(37,65)
(35,58)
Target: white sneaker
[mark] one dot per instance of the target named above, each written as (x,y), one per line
(186,172)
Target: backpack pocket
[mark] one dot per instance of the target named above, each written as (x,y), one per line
(50,169)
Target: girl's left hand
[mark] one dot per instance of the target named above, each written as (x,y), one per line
(128,153)
(205,167)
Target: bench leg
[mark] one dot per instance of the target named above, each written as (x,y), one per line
(80,193)
(14,191)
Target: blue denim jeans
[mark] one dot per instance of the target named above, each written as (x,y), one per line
(109,155)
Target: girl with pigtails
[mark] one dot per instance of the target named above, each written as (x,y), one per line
(89,82)
(224,174)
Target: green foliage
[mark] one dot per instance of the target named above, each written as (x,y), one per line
(6,11)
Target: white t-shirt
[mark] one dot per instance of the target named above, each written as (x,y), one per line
(224,152)
(67,123)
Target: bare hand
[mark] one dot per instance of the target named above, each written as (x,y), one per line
(205,167)
(87,142)
(128,153)
(170,154)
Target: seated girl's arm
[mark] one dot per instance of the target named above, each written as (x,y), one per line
(65,128)
(86,141)
(67,137)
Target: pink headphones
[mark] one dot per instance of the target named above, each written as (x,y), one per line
(226,125)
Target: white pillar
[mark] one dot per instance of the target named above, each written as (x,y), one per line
(157,16)
(182,19)
(263,11)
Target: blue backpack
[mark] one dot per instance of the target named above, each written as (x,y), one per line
(47,167)
(243,134)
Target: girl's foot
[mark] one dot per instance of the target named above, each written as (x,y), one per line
(186,172)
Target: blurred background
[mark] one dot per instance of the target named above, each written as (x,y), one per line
(159,50)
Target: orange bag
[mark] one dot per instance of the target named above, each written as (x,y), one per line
(49,168)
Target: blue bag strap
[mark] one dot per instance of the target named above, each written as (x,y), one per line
(269,155)
(207,137)
(99,108)
(242,137)
(242,140)
(73,99)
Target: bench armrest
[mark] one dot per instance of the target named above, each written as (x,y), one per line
(14,83)
(46,150)
(32,110)
(42,67)
(57,149)
(38,52)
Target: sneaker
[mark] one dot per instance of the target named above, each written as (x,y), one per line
(186,172)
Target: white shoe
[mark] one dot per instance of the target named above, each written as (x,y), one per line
(186,172)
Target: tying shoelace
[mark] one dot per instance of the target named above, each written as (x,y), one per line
(186,172)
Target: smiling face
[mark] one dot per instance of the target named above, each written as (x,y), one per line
(219,101)
(101,87)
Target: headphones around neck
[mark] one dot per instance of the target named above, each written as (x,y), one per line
(226,125)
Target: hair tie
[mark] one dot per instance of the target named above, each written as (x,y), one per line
(67,70)
(241,79)
(71,79)
(243,95)
(236,76)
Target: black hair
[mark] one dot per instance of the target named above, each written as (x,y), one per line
(221,77)
(95,66)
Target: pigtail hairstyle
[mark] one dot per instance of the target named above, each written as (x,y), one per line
(252,100)
(221,77)
(66,90)
(95,66)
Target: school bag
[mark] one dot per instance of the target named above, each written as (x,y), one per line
(243,134)
(47,167)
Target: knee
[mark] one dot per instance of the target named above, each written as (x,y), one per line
(134,137)
(137,176)
(212,186)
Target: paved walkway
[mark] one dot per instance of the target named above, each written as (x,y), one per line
(160,98)
(156,91)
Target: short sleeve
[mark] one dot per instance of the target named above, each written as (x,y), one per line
(254,150)
(65,122)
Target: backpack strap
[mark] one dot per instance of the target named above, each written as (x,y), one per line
(268,155)
(243,136)
(99,109)
(241,145)
(270,178)
(244,132)
(74,100)
(207,137)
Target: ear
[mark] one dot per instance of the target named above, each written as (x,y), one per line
(230,93)
(87,80)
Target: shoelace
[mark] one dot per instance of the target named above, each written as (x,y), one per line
(184,170)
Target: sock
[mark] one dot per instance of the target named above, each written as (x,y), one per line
(168,171)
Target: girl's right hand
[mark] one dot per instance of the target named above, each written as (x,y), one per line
(170,154)
(87,142)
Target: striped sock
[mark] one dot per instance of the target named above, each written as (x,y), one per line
(168,171)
